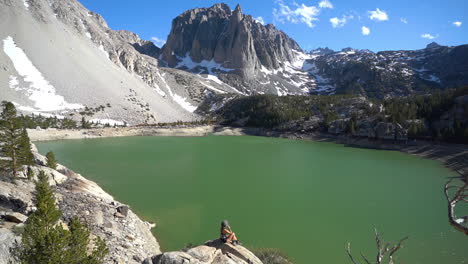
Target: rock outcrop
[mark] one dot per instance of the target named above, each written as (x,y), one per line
(370,128)
(212,252)
(128,238)
(233,46)
(389,73)
(227,37)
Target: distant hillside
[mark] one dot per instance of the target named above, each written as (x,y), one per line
(439,116)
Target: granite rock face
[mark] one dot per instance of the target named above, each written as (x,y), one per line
(128,238)
(232,46)
(230,38)
(389,73)
(212,252)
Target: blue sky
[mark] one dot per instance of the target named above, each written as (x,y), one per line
(364,24)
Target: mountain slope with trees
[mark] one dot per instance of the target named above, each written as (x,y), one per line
(440,116)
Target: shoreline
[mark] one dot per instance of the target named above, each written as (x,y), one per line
(452,156)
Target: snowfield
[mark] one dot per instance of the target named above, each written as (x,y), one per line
(38,90)
(177,98)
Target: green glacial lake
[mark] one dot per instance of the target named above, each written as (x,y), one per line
(306,198)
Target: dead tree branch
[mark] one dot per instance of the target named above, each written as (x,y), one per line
(382,251)
(458,196)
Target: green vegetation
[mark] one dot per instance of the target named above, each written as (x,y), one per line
(85,124)
(45,240)
(90,111)
(272,256)
(442,115)
(51,161)
(441,119)
(33,121)
(15,147)
(270,111)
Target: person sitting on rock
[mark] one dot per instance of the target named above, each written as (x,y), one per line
(227,235)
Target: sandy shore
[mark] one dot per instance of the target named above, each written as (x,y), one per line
(183,131)
(453,156)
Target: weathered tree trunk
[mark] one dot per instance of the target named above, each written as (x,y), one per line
(13,162)
(460,195)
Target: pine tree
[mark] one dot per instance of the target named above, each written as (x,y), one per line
(26,156)
(51,161)
(44,240)
(85,124)
(30,174)
(15,147)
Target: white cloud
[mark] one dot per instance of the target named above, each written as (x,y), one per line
(404,20)
(325,4)
(301,14)
(378,15)
(158,42)
(428,36)
(457,23)
(365,31)
(260,20)
(337,22)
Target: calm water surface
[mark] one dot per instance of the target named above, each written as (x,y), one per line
(306,198)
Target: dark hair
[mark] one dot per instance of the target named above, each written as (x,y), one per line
(224,223)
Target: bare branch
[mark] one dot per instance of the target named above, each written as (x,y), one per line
(388,250)
(397,247)
(348,250)
(365,259)
(458,196)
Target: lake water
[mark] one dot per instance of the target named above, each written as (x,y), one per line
(306,198)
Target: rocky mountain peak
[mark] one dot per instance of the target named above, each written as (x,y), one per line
(322,51)
(238,8)
(221,6)
(433,45)
(237,14)
(230,40)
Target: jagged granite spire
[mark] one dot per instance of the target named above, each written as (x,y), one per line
(228,37)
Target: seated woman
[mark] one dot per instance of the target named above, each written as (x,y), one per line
(227,235)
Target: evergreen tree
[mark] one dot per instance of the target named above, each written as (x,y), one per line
(26,156)
(51,161)
(85,124)
(30,174)
(45,241)
(15,147)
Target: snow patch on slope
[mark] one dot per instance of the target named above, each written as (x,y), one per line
(210,65)
(110,122)
(177,98)
(213,89)
(101,48)
(159,91)
(40,91)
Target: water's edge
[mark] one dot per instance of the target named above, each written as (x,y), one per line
(452,156)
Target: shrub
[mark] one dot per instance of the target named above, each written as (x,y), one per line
(51,161)
(272,256)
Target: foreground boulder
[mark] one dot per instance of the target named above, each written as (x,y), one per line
(128,238)
(212,252)
(7,238)
(14,217)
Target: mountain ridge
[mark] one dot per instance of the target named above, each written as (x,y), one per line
(84,63)
(197,36)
